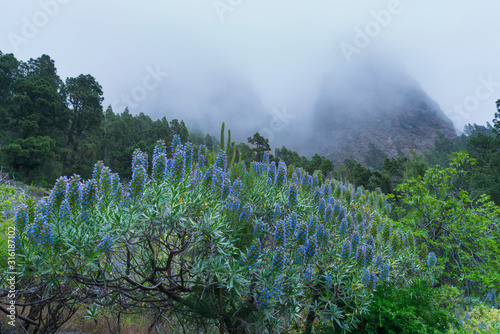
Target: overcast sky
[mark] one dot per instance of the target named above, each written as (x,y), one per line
(161,56)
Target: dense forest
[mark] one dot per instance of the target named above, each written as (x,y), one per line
(190,232)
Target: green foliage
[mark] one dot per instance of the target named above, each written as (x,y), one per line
(406,309)
(458,228)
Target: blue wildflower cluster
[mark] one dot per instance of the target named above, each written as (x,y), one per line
(293,198)
(379,261)
(329,213)
(345,252)
(311,248)
(308,275)
(301,233)
(280,234)
(170,167)
(178,164)
(328,282)
(258,228)
(96,173)
(311,227)
(281,175)
(65,211)
(217,178)
(159,169)
(321,207)
(384,272)
(327,190)
(295,178)
(202,155)
(21,218)
(278,263)
(277,289)
(431,259)
(225,188)
(355,239)
(277,212)
(364,255)
(265,158)
(341,213)
(116,187)
(236,188)
(344,227)
(369,279)
(300,257)
(315,181)
(263,300)
(316,197)
(139,158)
(271,174)
(246,214)
(231,205)
(58,192)
(89,194)
(74,191)
(306,181)
(221,160)
(323,235)
(105,182)
(138,182)
(41,230)
(105,245)
(254,253)
(176,142)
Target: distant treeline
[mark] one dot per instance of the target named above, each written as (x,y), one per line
(50,127)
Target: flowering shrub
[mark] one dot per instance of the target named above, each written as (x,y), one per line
(215,243)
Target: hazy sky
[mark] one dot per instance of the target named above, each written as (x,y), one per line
(167,57)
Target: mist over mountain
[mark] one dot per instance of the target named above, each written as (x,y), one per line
(374,101)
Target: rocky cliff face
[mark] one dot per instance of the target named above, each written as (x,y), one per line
(379,104)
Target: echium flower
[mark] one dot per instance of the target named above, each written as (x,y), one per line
(65,211)
(293,198)
(341,213)
(221,160)
(139,158)
(336,209)
(300,257)
(370,241)
(277,288)
(386,232)
(58,193)
(298,173)
(176,142)
(311,247)
(367,255)
(316,197)
(224,188)
(170,167)
(160,148)
(295,178)
(265,158)
(327,190)
(236,188)
(73,191)
(245,214)
(105,182)
(322,236)
(178,165)
(306,182)
(231,205)
(96,173)
(263,300)
(360,255)
(105,245)
(89,194)
(202,155)
(345,252)
(280,234)
(329,213)
(277,212)
(355,239)
(138,183)
(301,233)
(253,253)
(328,282)
(431,259)
(369,279)
(315,181)
(217,178)
(311,227)
(271,174)
(258,228)
(358,194)
(21,219)
(321,207)
(278,263)
(116,187)
(361,227)
(281,175)
(159,170)
(384,272)
(207,177)
(344,227)
(308,275)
